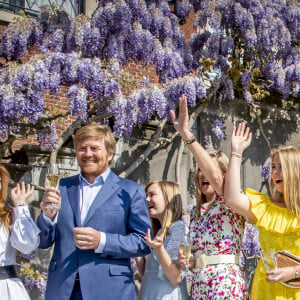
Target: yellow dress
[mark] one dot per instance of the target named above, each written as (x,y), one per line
(279,229)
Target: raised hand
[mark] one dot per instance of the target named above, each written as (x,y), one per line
(154,244)
(241,138)
(20,194)
(181,124)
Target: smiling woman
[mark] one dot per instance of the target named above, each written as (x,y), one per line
(215,230)
(277,217)
(162,277)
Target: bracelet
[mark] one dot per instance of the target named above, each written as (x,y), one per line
(190,140)
(296,272)
(20,204)
(237,154)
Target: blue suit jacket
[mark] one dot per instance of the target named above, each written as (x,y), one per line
(121,212)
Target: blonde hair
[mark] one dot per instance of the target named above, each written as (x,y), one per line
(173,210)
(96,131)
(5,215)
(290,165)
(223,162)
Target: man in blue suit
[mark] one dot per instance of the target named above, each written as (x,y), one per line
(101,224)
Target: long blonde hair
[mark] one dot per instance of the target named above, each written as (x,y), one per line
(173,210)
(290,165)
(5,215)
(222,161)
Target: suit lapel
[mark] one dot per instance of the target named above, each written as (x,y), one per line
(109,187)
(74,198)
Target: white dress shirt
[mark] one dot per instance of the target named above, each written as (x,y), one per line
(87,195)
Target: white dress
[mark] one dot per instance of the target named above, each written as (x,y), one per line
(155,285)
(25,238)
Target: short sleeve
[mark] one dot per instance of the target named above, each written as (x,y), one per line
(269,216)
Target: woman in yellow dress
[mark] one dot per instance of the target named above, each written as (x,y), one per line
(278,217)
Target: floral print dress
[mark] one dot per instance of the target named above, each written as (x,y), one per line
(218,231)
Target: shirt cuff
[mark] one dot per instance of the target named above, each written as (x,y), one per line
(49,221)
(102,243)
(21,212)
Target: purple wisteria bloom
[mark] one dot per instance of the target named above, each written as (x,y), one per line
(250,243)
(218,129)
(245,80)
(266,170)
(78,101)
(248,97)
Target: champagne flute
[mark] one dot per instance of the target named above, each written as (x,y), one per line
(268,259)
(52,179)
(185,249)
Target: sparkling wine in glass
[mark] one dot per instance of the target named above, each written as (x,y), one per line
(52,179)
(268,259)
(185,249)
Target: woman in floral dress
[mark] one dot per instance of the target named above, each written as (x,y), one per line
(215,230)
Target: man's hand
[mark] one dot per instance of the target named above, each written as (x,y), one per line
(86,238)
(51,197)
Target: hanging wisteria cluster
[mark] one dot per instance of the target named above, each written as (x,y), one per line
(261,35)
(266,170)
(250,243)
(243,41)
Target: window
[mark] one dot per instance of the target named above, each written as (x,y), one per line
(32,7)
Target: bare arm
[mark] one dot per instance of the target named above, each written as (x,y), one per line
(283,274)
(171,270)
(205,162)
(140,264)
(239,202)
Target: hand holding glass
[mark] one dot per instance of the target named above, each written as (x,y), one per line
(185,250)
(52,180)
(268,258)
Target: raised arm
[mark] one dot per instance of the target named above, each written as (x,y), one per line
(24,232)
(205,162)
(240,140)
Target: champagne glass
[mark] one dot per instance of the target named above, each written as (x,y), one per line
(268,259)
(185,249)
(52,179)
